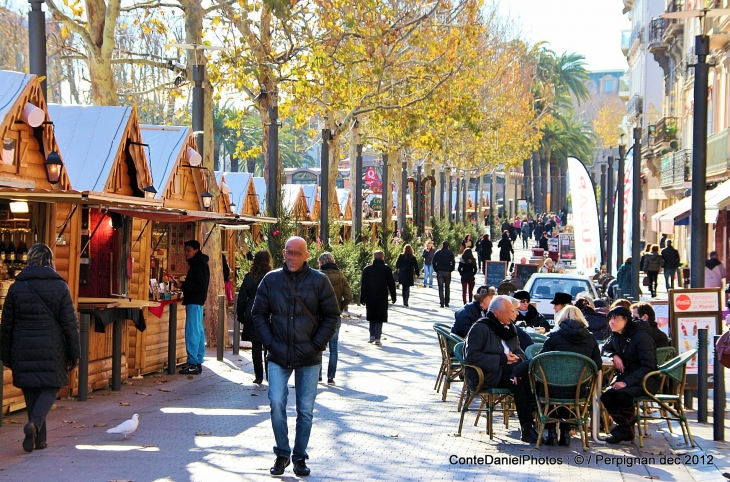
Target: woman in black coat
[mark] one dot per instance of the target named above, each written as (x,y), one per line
(407,267)
(246,296)
(505,247)
(634,356)
(376,283)
(39,339)
(486,251)
(467,270)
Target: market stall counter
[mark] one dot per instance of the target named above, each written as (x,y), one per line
(107,311)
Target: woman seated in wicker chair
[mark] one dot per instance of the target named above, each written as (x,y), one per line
(571,334)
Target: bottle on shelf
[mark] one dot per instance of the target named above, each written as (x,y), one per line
(2,251)
(22,252)
(10,253)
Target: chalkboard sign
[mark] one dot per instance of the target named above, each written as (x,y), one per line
(524,271)
(496,273)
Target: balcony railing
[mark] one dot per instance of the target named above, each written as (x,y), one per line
(666,130)
(625,38)
(634,105)
(672,27)
(636,35)
(675,168)
(656,30)
(718,152)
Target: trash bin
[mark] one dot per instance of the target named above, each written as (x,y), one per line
(685,277)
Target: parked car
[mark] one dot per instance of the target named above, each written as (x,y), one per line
(543,286)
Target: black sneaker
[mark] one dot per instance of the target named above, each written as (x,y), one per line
(529,435)
(190,370)
(279,465)
(200,368)
(320,379)
(300,468)
(330,381)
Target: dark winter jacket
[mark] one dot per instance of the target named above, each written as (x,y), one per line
(226,270)
(671,257)
(638,353)
(483,348)
(428,256)
(377,282)
(246,297)
(37,341)
(407,269)
(661,340)
(467,269)
(466,317)
(572,336)
(543,243)
(505,248)
(525,230)
(538,232)
(339,284)
(533,318)
(486,249)
(597,323)
(291,338)
(444,260)
(623,276)
(653,262)
(195,286)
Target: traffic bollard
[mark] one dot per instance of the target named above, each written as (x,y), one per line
(702,375)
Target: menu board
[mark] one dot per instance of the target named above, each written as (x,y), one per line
(524,271)
(496,273)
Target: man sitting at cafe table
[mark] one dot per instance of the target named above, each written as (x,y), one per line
(645,316)
(527,314)
(493,345)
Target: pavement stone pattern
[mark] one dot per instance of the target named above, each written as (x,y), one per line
(382,421)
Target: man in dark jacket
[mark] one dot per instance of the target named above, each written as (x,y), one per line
(195,292)
(493,345)
(443,264)
(543,242)
(671,264)
(597,322)
(295,313)
(343,294)
(377,282)
(469,314)
(645,317)
(485,252)
(528,314)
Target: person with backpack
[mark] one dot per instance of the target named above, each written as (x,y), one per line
(246,296)
(467,270)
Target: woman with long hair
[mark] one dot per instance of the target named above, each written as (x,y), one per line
(407,266)
(39,339)
(467,269)
(246,296)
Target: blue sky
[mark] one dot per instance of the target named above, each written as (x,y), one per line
(591,28)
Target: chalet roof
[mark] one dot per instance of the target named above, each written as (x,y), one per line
(166,143)
(343,195)
(89,138)
(12,84)
(238,182)
(310,194)
(259,183)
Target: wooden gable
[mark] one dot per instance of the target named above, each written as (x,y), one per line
(185,184)
(131,172)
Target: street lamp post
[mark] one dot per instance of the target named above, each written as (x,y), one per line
(404,185)
(419,200)
(37,42)
(457,213)
(450,201)
(358,192)
(384,197)
(433,194)
(602,214)
(609,224)
(324,181)
(635,216)
(442,186)
(464,188)
(621,179)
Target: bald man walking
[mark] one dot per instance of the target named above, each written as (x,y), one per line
(295,314)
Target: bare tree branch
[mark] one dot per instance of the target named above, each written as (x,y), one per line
(148,5)
(69,23)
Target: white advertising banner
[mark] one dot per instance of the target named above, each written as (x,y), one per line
(625,230)
(585,218)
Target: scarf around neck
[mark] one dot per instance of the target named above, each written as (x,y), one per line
(504,332)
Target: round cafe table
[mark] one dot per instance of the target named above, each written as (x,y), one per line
(596,416)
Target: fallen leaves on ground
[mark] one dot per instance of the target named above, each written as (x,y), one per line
(142,393)
(99,425)
(164,389)
(201,433)
(125,404)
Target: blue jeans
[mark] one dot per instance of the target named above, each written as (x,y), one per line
(669,277)
(428,275)
(332,365)
(306,390)
(194,334)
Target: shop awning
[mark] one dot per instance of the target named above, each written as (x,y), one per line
(715,200)
(74,197)
(675,215)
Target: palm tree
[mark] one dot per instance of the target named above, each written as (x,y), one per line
(559,82)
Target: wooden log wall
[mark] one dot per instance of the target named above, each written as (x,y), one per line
(148,349)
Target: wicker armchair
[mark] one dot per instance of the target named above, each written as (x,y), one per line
(533,350)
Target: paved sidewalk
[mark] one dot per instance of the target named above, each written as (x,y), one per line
(383,421)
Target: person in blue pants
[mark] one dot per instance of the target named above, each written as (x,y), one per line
(195,292)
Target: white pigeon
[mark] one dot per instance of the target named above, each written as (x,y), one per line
(126,427)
